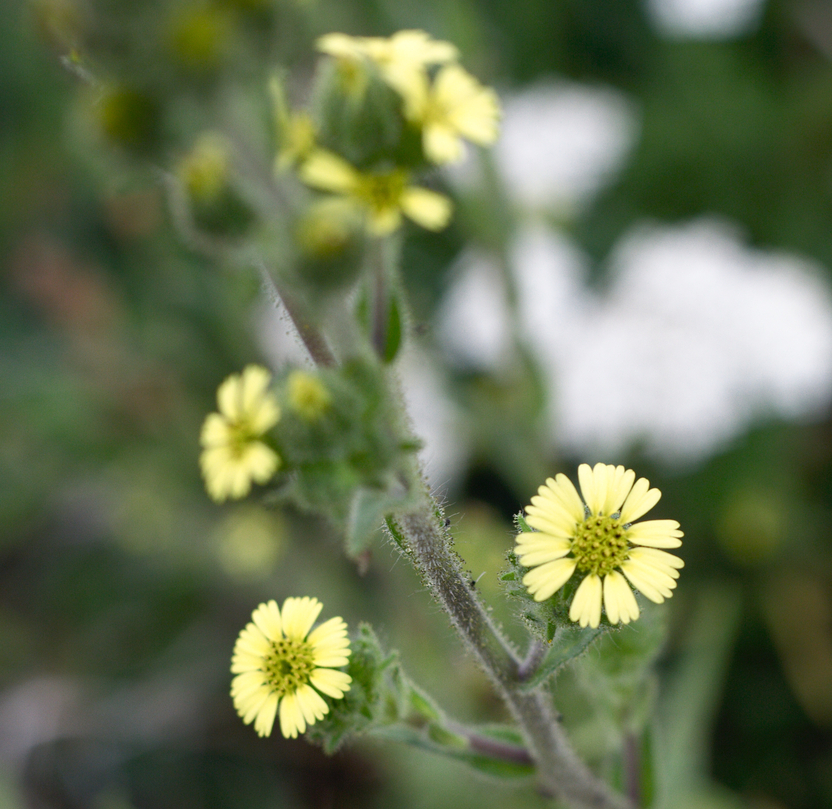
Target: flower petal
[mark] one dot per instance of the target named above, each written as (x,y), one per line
(640,500)
(311,705)
(291,717)
(586,603)
(298,616)
(656,534)
(547,579)
(619,602)
(330,682)
(328,172)
(539,554)
(426,208)
(621,482)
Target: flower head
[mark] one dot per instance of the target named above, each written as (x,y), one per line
(233,455)
(280,666)
(402,59)
(454,106)
(380,198)
(597,538)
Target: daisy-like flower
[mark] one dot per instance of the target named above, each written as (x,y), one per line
(401,59)
(233,453)
(454,106)
(379,198)
(601,541)
(281,666)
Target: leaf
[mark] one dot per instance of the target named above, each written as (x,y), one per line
(368,509)
(568,643)
(393,332)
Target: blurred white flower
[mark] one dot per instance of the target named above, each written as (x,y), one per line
(696,337)
(473,319)
(436,420)
(562,141)
(706,19)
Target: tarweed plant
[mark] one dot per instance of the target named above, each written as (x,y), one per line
(318,208)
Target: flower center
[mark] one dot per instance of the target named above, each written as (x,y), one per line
(288,665)
(600,544)
(383,192)
(240,436)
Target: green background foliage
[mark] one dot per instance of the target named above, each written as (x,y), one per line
(122,587)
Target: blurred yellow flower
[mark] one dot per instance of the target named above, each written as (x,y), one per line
(401,59)
(380,198)
(307,395)
(454,106)
(233,455)
(204,170)
(279,665)
(599,540)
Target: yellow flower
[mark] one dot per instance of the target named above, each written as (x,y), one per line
(279,665)
(233,455)
(599,541)
(307,395)
(380,198)
(204,171)
(455,106)
(402,59)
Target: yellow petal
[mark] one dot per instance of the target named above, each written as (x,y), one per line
(426,208)
(328,172)
(586,603)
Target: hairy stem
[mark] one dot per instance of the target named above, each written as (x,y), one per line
(311,338)
(534,657)
(562,774)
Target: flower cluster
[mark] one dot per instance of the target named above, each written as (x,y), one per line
(281,666)
(439,98)
(234,453)
(447,107)
(597,538)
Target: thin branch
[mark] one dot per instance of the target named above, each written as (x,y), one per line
(493,748)
(311,338)
(534,657)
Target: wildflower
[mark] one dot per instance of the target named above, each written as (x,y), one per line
(402,59)
(307,395)
(279,665)
(455,106)
(233,455)
(599,541)
(380,197)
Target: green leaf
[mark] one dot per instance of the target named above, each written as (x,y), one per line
(393,332)
(368,510)
(568,643)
